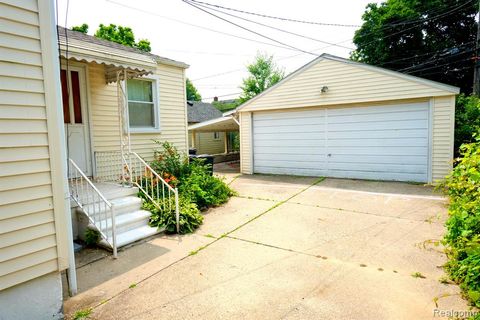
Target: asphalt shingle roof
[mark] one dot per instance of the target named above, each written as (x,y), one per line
(201,111)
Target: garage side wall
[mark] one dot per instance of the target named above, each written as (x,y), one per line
(246,152)
(442,136)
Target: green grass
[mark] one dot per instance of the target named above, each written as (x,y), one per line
(82,314)
(418,275)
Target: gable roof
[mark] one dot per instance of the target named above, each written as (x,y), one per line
(198,111)
(435,86)
(92,42)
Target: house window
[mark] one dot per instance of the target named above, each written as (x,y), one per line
(216,136)
(142,104)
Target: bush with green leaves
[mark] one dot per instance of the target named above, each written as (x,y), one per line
(165,216)
(196,187)
(91,237)
(462,239)
(169,161)
(202,188)
(467,119)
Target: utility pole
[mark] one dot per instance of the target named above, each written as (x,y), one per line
(476,72)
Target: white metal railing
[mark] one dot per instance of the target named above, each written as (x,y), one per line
(131,169)
(97,208)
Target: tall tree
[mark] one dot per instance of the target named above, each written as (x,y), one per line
(82,28)
(433,39)
(192,92)
(122,35)
(264,73)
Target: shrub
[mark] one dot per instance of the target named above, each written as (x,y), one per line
(202,188)
(467,119)
(463,225)
(190,217)
(91,237)
(196,187)
(168,161)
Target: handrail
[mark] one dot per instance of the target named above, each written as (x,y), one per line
(94,204)
(152,192)
(129,168)
(153,171)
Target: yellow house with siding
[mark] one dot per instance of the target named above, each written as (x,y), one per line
(85,121)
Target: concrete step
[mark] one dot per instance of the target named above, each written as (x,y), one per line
(121,206)
(110,191)
(113,192)
(133,235)
(125,222)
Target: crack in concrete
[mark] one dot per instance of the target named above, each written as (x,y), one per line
(105,301)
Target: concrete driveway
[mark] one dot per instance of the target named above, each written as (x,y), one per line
(287,248)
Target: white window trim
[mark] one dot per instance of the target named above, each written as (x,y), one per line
(218,137)
(156,107)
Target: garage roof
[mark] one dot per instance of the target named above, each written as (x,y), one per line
(344,81)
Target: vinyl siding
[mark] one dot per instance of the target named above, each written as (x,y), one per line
(443,136)
(104,112)
(206,144)
(347,83)
(246,165)
(28,234)
(442,132)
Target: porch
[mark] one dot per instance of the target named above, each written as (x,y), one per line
(112,115)
(223,125)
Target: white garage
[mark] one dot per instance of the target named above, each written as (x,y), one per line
(338,118)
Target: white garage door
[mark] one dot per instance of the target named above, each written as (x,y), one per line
(377,142)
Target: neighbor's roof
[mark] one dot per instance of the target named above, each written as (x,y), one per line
(201,111)
(78,40)
(325,56)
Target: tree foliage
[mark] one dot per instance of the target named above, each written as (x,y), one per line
(192,92)
(467,119)
(432,39)
(264,73)
(225,106)
(122,35)
(82,28)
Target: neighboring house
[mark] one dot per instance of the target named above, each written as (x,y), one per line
(35,230)
(205,142)
(116,101)
(339,118)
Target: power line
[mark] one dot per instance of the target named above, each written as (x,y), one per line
(278,29)
(424,54)
(433,61)
(429,18)
(440,65)
(246,29)
(224,95)
(422,20)
(384,37)
(274,17)
(446,71)
(195,25)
